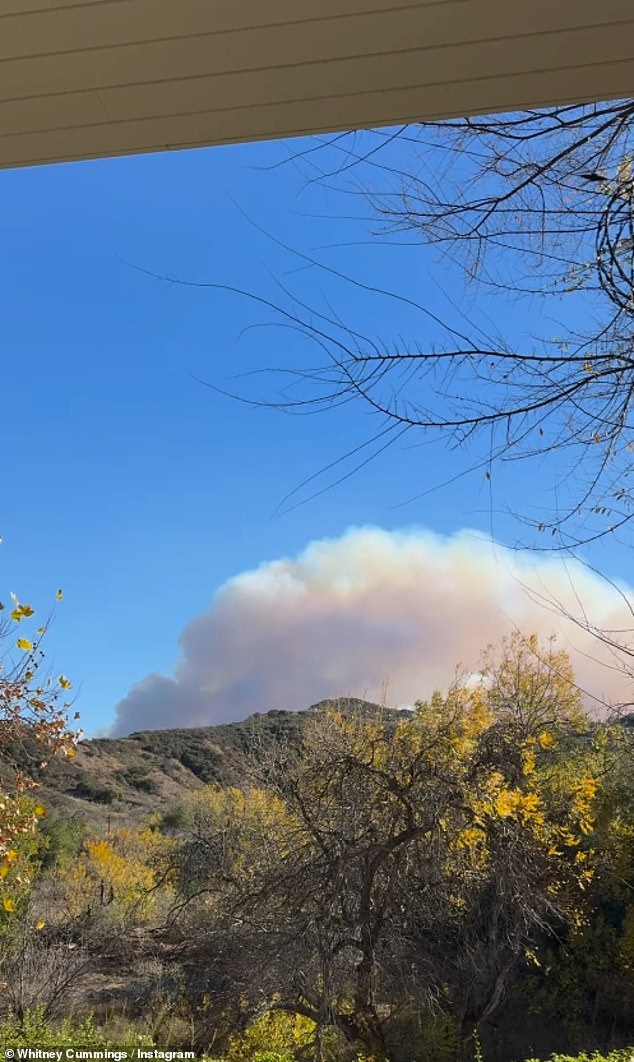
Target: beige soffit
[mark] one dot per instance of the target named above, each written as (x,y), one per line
(93,78)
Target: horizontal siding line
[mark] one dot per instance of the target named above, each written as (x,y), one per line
(403,6)
(159,147)
(615,22)
(280,103)
(324,62)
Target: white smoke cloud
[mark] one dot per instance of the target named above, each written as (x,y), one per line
(350,614)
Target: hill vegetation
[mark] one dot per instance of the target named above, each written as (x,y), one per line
(121,780)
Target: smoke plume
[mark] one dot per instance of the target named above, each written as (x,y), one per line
(372,614)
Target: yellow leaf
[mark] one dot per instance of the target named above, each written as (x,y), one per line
(506,803)
(41,922)
(546,740)
(8,904)
(528,761)
(24,644)
(64,682)
(21,612)
(623,173)
(59,595)
(39,810)
(469,837)
(4,870)
(587,367)
(530,803)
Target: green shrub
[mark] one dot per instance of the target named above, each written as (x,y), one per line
(138,778)
(34,1030)
(626,1054)
(176,817)
(61,838)
(98,794)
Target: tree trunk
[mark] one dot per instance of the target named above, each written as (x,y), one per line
(465,1042)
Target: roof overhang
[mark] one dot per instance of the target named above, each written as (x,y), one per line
(90,78)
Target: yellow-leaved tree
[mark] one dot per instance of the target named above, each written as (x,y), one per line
(33,726)
(119,873)
(401,865)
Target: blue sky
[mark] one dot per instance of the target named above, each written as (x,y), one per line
(126,482)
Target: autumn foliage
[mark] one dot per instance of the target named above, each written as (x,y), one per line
(33,720)
(401,869)
(384,885)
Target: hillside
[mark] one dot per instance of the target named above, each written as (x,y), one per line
(121,779)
